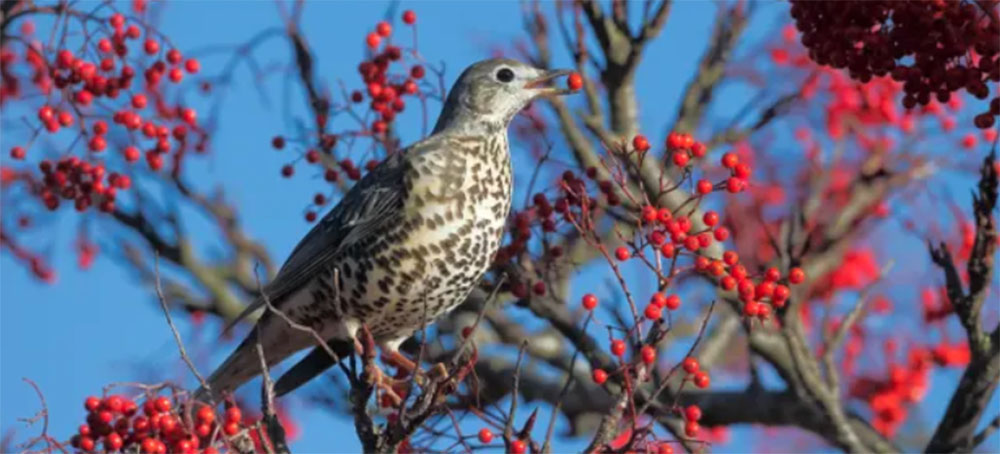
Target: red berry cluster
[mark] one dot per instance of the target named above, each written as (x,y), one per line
(953,45)
(385,93)
(103,69)
(84,183)
(116,422)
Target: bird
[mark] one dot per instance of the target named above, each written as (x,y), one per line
(405,245)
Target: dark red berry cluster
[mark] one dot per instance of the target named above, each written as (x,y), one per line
(934,48)
(84,183)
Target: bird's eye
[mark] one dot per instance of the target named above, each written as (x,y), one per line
(505,75)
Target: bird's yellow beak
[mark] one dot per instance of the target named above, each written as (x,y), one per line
(544,83)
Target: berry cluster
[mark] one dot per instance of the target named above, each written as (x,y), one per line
(385,93)
(82,182)
(103,71)
(160,428)
(953,45)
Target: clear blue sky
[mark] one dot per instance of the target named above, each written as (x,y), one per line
(99,326)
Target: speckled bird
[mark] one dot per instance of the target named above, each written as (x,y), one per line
(407,243)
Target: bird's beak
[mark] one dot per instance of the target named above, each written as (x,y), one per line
(543,84)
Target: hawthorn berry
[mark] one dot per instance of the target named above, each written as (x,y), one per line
(729,160)
(233,414)
(704,187)
(622,253)
(796,275)
(680,158)
(589,301)
(574,82)
(673,302)
(383,29)
(151,46)
(618,347)
(17,152)
(640,143)
(485,436)
(701,379)
(278,142)
(648,354)
(373,40)
(87,444)
(691,428)
(518,447)
(692,413)
(653,312)
(690,365)
(600,376)
(409,17)
(192,66)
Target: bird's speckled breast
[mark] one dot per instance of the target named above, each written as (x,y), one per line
(457,200)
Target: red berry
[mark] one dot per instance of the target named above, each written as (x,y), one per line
(17,152)
(278,142)
(729,160)
(673,302)
(151,46)
(287,170)
(518,447)
(162,404)
(665,448)
(174,56)
(721,234)
(192,66)
(618,347)
(139,101)
(640,143)
(383,29)
(574,81)
(97,144)
(734,185)
(704,187)
(675,141)
(692,413)
(622,253)
(485,436)
(796,275)
(701,379)
(149,445)
(648,354)
(690,365)
(87,444)
(233,414)
(373,40)
(691,428)
(711,218)
(589,301)
(114,403)
(698,149)
(113,442)
(653,312)
(409,17)
(600,376)
(680,158)
(310,216)
(117,20)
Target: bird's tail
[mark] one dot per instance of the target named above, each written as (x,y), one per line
(277,340)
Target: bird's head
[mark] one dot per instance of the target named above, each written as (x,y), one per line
(489,93)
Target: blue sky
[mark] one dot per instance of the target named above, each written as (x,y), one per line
(98,327)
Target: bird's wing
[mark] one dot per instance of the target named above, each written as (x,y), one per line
(373,201)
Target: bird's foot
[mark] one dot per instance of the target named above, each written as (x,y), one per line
(437,372)
(382,381)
